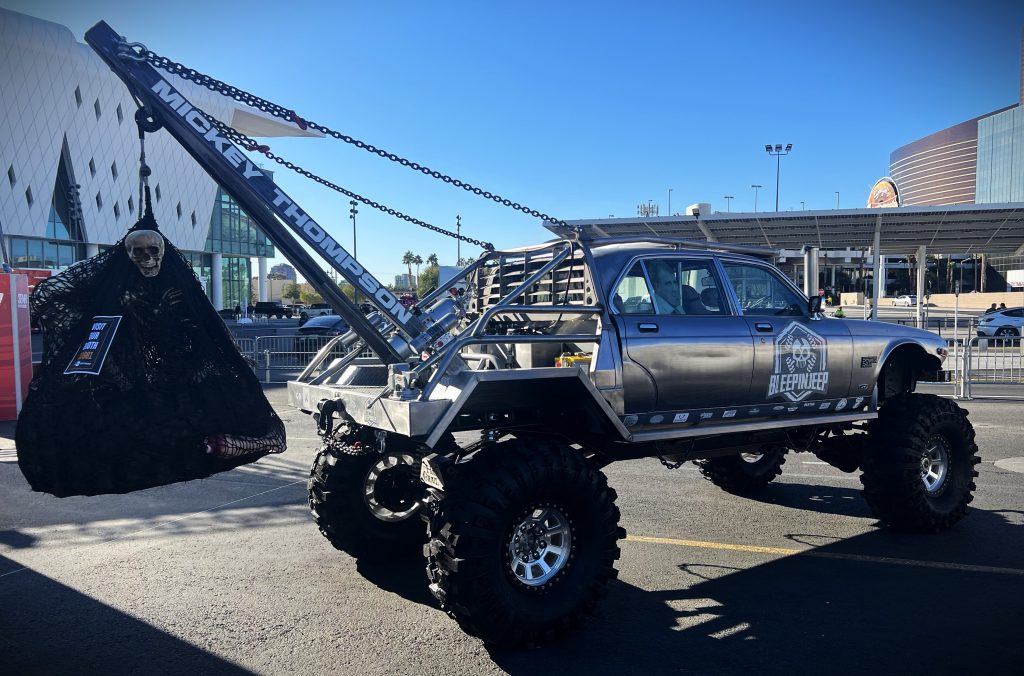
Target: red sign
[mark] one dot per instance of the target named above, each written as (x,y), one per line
(15,344)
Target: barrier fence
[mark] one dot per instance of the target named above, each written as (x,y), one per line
(984,361)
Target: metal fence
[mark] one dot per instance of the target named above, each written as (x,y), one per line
(984,361)
(282,358)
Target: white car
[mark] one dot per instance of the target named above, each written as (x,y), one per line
(904,301)
(1002,323)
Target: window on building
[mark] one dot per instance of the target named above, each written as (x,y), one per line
(113,169)
(131,205)
(96,107)
(120,114)
(117,211)
(78,96)
(92,166)
(233,232)
(193,219)
(64,243)
(177,208)
(99,201)
(28,195)
(10,176)
(157,192)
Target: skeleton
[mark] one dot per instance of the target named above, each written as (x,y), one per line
(146,249)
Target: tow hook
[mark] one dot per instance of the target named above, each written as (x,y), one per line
(324,416)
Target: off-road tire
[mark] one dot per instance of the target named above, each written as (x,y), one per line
(735,474)
(903,440)
(340,497)
(473,531)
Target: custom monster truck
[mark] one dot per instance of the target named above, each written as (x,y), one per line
(693,354)
(682,351)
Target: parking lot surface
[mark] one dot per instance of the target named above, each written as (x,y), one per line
(230,575)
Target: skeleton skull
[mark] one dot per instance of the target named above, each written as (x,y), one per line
(146,249)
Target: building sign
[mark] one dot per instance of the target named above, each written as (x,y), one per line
(883,194)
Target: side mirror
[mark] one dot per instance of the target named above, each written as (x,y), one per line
(814,305)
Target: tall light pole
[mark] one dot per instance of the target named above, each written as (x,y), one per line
(802,207)
(728,202)
(355,249)
(777,152)
(755,187)
(837,199)
(458,240)
(670,201)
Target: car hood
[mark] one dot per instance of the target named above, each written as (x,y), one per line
(860,328)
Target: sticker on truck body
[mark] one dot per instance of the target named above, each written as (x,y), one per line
(801,364)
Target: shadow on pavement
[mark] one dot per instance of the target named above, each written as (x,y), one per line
(85,636)
(825,611)
(815,498)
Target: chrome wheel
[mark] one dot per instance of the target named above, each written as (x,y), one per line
(751,457)
(540,546)
(391,489)
(935,464)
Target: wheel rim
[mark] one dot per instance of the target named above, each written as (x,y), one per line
(540,546)
(752,458)
(935,464)
(390,488)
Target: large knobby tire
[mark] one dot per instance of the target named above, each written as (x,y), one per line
(368,504)
(919,465)
(744,473)
(523,542)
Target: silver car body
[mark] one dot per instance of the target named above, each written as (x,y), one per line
(651,376)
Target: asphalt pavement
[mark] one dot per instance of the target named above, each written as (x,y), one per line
(230,575)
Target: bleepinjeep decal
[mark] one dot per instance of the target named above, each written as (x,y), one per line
(801,364)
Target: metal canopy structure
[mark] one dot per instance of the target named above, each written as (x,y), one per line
(960,229)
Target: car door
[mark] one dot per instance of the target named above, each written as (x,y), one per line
(801,362)
(687,351)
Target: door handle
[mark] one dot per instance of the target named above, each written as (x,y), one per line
(764,327)
(647,328)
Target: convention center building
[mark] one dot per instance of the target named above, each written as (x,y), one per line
(69,166)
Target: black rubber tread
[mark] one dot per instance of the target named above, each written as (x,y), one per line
(892,474)
(335,490)
(470,527)
(735,475)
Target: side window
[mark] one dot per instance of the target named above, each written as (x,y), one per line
(761,292)
(1017,312)
(685,287)
(633,297)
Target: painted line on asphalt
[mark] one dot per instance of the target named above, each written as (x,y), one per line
(788,551)
(180,518)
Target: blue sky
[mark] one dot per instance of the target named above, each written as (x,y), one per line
(585,109)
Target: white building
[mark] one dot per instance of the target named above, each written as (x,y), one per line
(69,159)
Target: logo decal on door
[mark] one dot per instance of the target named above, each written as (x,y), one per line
(801,364)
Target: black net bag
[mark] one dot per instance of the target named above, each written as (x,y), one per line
(140,384)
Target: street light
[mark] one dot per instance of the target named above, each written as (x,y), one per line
(777,152)
(837,199)
(755,187)
(670,201)
(802,207)
(728,202)
(355,250)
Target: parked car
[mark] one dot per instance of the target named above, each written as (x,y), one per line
(271,309)
(315,310)
(226,313)
(312,335)
(1002,323)
(905,301)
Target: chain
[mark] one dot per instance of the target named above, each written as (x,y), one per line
(249,144)
(254,101)
(671,465)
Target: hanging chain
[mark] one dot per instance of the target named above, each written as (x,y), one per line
(139,52)
(249,144)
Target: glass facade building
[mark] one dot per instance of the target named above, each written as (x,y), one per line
(235,235)
(1001,157)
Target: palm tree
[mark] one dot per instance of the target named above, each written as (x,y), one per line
(432,259)
(417,261)
(408,258)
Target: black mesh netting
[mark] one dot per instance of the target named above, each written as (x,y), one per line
(173,401)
